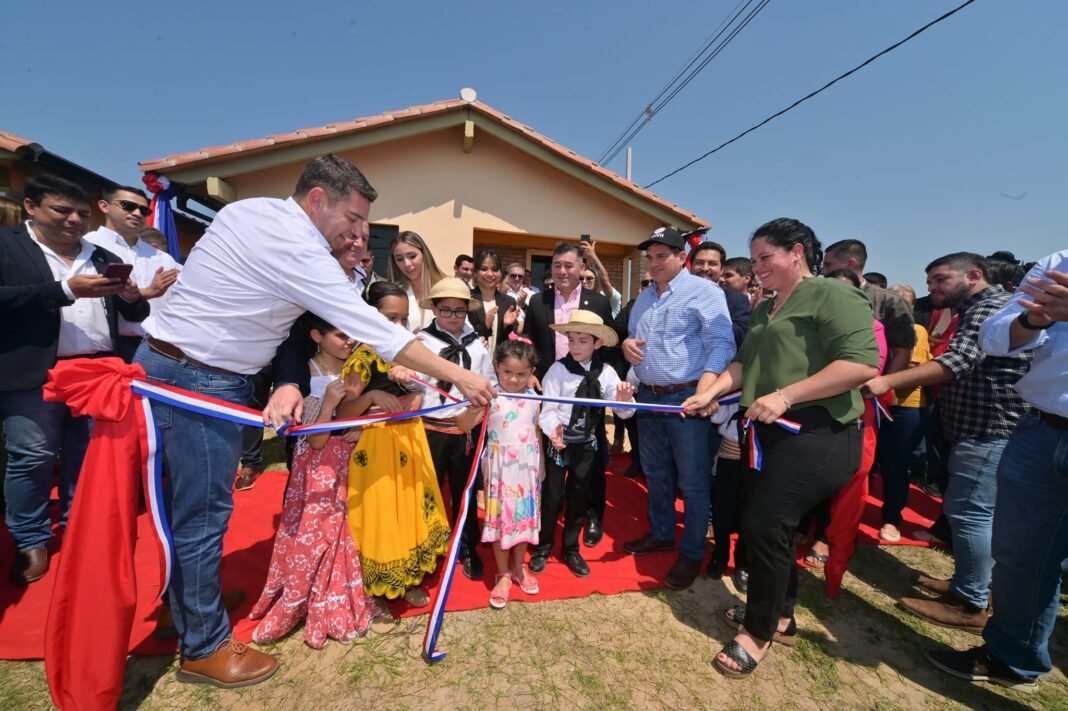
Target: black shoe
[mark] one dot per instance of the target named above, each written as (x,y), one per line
(592,533)
(648,544)
(977,664)
(472,565)
(538,558)
(683,573)
(741,580)
(576,564)
(715,570)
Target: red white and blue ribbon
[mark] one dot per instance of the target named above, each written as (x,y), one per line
(162,216)
(152,485)
(880,413)
(441,595)
(756,451)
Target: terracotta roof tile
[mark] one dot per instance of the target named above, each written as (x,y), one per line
(411,113)
(11,142)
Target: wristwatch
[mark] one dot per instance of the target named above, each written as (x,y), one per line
(1023,320)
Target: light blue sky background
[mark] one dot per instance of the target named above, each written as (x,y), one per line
(956,141)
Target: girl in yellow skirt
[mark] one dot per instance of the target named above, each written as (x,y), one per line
(395,509)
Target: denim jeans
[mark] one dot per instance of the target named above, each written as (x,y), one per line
(201,453)
(897,441)
(969,506)
(36,435)
(675,453)
(1030,542)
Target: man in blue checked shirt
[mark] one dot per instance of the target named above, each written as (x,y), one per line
(680,340)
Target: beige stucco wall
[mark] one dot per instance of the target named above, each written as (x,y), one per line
(428,184)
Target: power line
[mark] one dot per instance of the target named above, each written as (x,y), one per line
(679,81)
(803,99)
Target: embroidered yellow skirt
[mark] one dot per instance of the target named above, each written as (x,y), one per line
(395,510)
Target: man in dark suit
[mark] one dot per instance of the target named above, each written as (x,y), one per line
(554,305)
(55,302)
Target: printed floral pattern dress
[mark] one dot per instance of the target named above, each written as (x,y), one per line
(512,471)
(315,573)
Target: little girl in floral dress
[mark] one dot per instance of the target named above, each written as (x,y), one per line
(511,470)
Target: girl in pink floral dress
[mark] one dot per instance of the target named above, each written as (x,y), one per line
(511,470)
(315,573)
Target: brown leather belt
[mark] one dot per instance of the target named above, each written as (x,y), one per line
(172,351)
(1055,421)
(669,389)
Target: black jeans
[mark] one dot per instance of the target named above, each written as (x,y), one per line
(569,488)
(452,460)
(728,503)
(799,471)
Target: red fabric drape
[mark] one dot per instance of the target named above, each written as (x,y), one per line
(93,602)
(847,506)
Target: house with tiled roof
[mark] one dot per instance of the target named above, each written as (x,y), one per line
(460,173)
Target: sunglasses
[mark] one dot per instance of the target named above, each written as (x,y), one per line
(516,276)
(646,282)
(449,313)
(130,206)
(588,279)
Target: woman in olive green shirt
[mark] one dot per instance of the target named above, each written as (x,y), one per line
(807,352)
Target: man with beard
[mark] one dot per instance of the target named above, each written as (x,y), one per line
(979,407)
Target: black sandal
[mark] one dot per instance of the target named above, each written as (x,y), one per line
(735,618)
(735,652)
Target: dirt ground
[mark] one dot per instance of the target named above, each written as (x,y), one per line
(628,651)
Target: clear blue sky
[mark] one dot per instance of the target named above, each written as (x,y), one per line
(956,141)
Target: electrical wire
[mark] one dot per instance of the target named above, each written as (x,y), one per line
(805,98)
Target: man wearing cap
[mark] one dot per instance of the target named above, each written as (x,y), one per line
(680,340)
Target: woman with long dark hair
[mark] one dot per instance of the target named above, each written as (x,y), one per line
(499,313)
(807,352)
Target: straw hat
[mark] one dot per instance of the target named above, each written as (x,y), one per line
(588,322)
(450,288)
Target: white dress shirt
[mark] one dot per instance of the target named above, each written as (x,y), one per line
(83,326)
(260,265)
(481,363)
(145,259)
(1046,385)
(559,382)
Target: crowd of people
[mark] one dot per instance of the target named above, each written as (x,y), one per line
(782,362)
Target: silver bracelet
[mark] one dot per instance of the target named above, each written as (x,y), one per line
(784,398)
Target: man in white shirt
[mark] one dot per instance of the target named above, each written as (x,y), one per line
(260,265)
(1030,539)
(55,303)
(154,271)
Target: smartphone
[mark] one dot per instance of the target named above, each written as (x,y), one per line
(119,272)
(584,239)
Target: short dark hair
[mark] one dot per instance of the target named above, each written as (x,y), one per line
(461,259)
(1004,256)
(705,246)
(312,322)
(961,262)
(786,232)
(336,176)
(153,236)
(109,192)
(380,290)
(41,186)
(877,278)
(742,265)
(851,248)
(1005,272)
(565,247)
(847,274)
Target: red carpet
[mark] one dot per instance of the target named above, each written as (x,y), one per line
(247,552)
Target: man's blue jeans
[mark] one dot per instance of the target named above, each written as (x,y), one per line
(675,453)
(969,506)
(202,454)
(1030,542)
(36,435)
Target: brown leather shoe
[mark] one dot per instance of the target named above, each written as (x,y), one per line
(948,611)
(683,573)
(933,585)
(246,478)
(648,544)
(232,665)
(29,566)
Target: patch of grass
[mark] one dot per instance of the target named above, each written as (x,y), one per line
(820,665)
